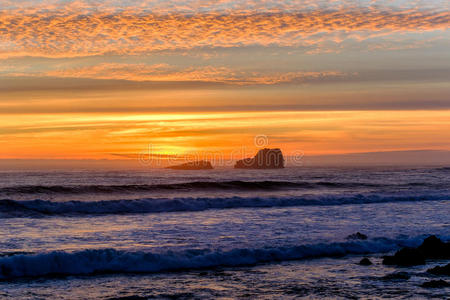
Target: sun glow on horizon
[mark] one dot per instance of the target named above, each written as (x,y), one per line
(75,136)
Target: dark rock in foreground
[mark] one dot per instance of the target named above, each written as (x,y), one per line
(435,284)
(440,270)
(431,248)
(365,262)
(265,159)
(357,236)
(194,165)
(405,257)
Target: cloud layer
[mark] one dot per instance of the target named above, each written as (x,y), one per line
(168,73)
(69,34)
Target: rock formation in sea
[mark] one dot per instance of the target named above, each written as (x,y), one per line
(265,159)
(365,262)
(405,257)
(193,165)
(431,248)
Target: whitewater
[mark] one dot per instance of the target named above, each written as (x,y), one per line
(220,233)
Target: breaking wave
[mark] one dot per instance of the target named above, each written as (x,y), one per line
(41,208)
(85,262)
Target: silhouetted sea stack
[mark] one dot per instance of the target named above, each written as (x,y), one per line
(265,159)
(193,165)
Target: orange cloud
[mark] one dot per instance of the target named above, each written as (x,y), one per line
(68,34)
(165,72)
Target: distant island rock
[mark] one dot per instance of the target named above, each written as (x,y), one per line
(265,159)
(193,165)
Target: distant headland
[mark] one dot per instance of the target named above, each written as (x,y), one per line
(193,165)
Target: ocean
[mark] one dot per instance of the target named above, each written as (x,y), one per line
(218,234)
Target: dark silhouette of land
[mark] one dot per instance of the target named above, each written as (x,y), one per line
(193,165)
(265,159)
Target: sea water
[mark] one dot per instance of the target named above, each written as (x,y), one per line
(221,233)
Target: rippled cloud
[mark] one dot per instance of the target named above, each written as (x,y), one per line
(68,34)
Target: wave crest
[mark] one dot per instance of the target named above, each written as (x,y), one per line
(40,208)
(116,261)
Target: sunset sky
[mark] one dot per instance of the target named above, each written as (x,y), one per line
(106,79)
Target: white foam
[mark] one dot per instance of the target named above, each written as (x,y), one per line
(115,261)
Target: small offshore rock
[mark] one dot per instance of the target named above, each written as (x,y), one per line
(435,284)
(365,262)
